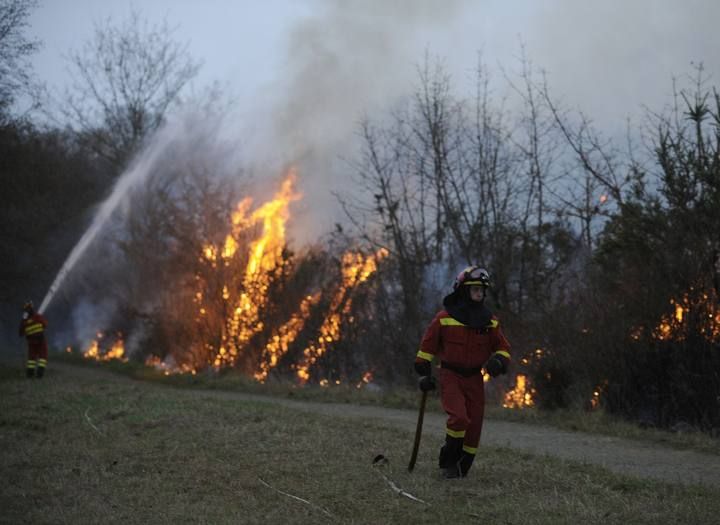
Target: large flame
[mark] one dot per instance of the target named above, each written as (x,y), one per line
(259,238)
(265,256)
(356,269)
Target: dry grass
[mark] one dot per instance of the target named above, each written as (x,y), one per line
(597,422)
(98,449)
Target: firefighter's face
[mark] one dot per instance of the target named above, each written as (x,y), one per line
(477,293)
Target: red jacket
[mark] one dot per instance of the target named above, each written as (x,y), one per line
(460,345)
(33,328)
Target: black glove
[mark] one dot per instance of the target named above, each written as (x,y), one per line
(426,383)
(423,368)
(495,366)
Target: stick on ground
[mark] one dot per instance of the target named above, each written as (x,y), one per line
(294,497)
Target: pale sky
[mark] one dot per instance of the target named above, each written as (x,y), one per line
(315,66)
(230,37)
(609,56)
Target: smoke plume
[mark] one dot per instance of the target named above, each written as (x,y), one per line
(351,59)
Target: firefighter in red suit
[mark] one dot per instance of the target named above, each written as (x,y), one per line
(32,327)
(465,336)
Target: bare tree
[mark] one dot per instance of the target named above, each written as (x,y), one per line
(125,79)
(15,48)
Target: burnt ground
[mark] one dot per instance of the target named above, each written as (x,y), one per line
(624,456)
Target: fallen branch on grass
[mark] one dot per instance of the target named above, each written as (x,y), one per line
(87,418)
(401,492)
(294,497)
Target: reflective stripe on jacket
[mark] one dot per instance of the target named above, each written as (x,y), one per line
(461,345)
(33,327)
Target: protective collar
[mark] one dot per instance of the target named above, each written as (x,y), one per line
(468,312)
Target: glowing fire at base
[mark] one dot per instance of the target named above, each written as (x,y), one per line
(116,350)
(168,367)
(596,399)
(366,378)
(522,395)
(673,327)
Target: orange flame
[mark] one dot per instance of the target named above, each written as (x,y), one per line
(116,350)
(674,326)
(265,256)
(522,395)
(231,296)
(597,394)
(286,334)
(355,269)
(365,379)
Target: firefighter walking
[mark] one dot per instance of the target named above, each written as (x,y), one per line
(465,336)
(32,327)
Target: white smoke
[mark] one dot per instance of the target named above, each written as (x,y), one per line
(614,58)
(89,318)
(349,60)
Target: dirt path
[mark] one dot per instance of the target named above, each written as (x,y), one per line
(616,454)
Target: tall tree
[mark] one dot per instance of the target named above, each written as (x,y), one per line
(125,79)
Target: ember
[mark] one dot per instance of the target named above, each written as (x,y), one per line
(596,398)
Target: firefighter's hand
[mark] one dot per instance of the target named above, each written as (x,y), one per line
(423,367)
(427,383)
(495,366)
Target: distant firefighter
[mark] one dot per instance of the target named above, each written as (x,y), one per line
(32,327)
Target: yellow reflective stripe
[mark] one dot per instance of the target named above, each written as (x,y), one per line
(31,364)
(424,355)
(476,283)
(503,353)
(470,450)
(42,362)
(455,433)
(449,321)
(493,323)
(33,329)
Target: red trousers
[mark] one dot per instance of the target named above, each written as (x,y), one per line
(37,352)
(463,399)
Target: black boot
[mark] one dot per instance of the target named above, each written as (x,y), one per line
(30,372)
(465,462)
(40,371)
(450,455)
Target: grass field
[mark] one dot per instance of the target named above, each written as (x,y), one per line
(100,449)
(596,422)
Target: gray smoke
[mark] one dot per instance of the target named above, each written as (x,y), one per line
(611,58)
(350,60)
